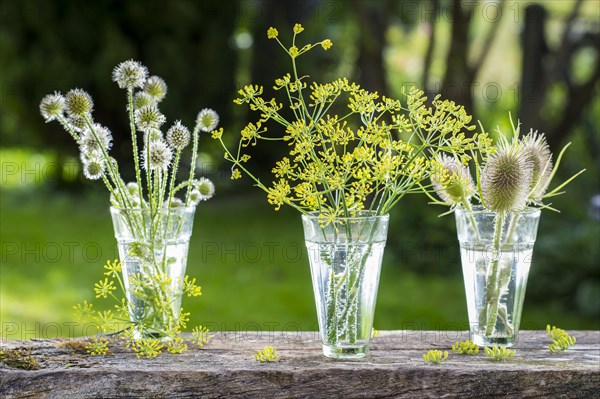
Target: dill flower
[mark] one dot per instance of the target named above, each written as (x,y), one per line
(158,156)
(142,99)
(52,106)
(78,103)
(454,183)
(272,33)
(89,142)
(506,179)
(326,44)
(298,28)
(156,88)
(178,136)
(207,119)
(130,74)
(148,117)
(538,152)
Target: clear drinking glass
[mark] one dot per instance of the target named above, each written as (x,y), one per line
(153,251)
(345,261)
(496,255)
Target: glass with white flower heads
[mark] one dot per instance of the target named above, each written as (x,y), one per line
(152,215)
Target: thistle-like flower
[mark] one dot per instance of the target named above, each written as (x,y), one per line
(149,117)
(89,143)
(174,203)
(178,136)
(207,120)
(453,183)
(506,178)
(142,99)
(158,156)
(205,187)
(537,150)
(52,106)
(156,88)
(77,123)
(94,168)
(78,103)
(133,189)
(130,74)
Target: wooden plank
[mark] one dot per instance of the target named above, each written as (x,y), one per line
(226,368)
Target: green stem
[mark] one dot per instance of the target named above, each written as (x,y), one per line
(493,288)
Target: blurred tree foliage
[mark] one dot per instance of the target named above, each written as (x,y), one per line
(206,50)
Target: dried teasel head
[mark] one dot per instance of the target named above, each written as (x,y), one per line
(537,150)
(506,178)
(452,181)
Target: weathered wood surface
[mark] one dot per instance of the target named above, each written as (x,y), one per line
(225,367)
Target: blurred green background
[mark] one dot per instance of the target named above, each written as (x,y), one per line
(538,60)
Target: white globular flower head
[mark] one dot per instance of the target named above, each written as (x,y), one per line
(77,123)
(142,99)
(158,156)
(204,189)
(537,150)
(79,103)
(133,189)
(178,136)
(52,106)
(506,179)
(94,168)
(95,143)
(207,120)
(156,88)
(130,74)
(174,203)
(453,183)
(149,117)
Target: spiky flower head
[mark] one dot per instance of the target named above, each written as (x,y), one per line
(452,182)
(154,135)
(93,167)
(149,117)
(133,189)
(207,120)
(78,103)
(77,123)
(537,150)
(178,136)
(142,99)
(130,74)
(174,203)
(506,178)
(156,88)
(95,143)
(205,189)
(158,156)
(52,106)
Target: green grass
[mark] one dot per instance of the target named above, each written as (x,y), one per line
(250,261)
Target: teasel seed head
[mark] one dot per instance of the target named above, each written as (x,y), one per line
(453,182)
(506,178)
(158,156)
(538,152)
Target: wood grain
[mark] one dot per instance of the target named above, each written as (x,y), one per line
(225,367)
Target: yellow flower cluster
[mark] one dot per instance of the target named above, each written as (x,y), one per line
(367,158)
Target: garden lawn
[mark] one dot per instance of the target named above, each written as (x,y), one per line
(249,260)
